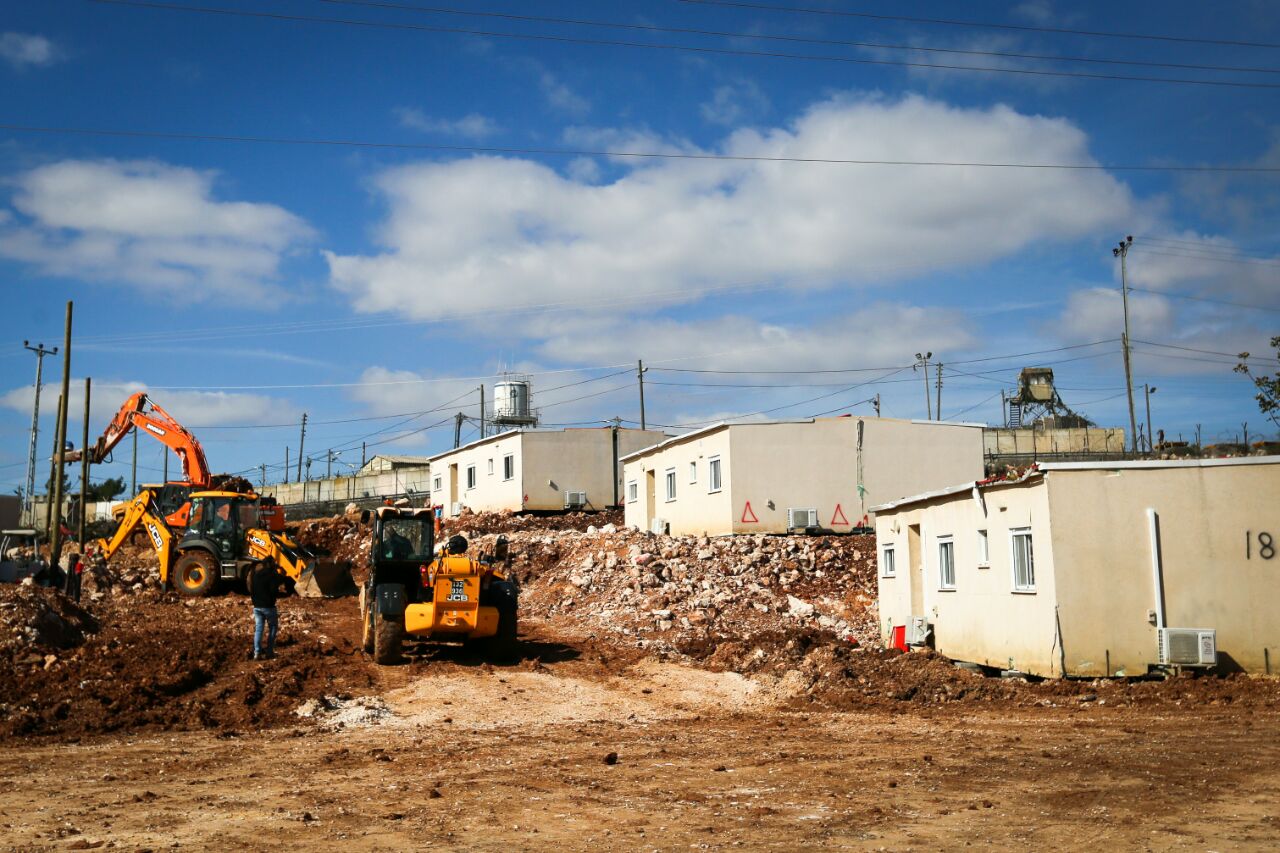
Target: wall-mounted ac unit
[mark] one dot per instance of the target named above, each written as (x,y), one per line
(801,518)
(918,631)
(574,499)
(1188,646)
(659,526)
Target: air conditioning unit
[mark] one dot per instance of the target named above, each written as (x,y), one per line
(918,631)
(659,526)
(801,519)
(574,499)
(457,509)
(1188,646)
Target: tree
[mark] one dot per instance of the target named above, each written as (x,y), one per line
(107,490)
(1268,395)
(66,485)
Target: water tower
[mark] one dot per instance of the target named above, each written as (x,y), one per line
(511,406)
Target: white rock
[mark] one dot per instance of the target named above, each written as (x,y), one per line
(796,607)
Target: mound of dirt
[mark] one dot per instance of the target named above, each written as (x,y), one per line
(475,524)
(35,620)
(159,662)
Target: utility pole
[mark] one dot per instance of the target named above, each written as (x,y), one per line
(40,352)
(84,465)
(55,473)
(922,360)
(1244,427)
(55,547)
(482,410)
(640,371)
(134,474)
(363,461)
(938,408)
(286,464)
(328,471)
(1122,252)
(302,441)
(457,429)
(1147,391)
(165,454)
(877,404)
(264,475)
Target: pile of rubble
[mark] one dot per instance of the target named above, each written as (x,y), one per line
(474,524)
(36,622)
(688,594)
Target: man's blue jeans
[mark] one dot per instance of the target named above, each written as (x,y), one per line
(271,618)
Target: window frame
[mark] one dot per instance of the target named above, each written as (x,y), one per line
(1014,534)
(508,467)
(693,473)
(984,549)
(633,491)
(946,545)
(437,483)
(888,567)
(670,480)
(490,466)
(472,478)
(715,475)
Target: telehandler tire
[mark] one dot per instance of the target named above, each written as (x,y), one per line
(502,645)
(366,621)
(195,574)
(388,635)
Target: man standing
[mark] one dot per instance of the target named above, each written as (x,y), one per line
(264,588)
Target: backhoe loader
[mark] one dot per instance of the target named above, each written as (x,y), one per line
(173,499)
(223,539)
(444,596)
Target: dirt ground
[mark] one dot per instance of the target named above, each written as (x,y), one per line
(138,723)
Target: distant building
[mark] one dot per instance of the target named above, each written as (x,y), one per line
(535,469)
(384,462)
(1091,568)
(775,476)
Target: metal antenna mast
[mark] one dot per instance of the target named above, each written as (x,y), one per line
(40,352)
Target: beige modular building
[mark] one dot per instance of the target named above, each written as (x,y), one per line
(1091,568)
(775,476)
(534,469)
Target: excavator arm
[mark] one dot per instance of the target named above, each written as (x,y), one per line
(161,426)
(140,511)
(311,577)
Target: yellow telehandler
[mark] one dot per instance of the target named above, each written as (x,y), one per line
(223,539)
(443,596)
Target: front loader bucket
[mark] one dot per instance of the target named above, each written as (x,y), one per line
(326,579)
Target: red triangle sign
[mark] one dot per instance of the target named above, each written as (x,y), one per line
(749,517)
(839,518)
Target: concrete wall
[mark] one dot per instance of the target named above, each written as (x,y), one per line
(546,463)
(806,464)
(1048,442)
(1092,556)
(392,483)
(983,620)
(1212,579)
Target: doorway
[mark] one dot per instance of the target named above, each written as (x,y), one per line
(915,565)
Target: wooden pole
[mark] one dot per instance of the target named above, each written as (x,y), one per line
(84,465)
(55,550)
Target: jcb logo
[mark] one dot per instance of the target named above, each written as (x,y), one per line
(257,541)
(155,535)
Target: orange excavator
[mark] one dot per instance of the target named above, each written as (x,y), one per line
(172,499)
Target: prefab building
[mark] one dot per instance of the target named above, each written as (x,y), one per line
(775,476)
(1091,568)
(533,469)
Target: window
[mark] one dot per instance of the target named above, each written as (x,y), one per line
(693,472)
(1024,566)
(471,476)
(437,484)
(671,484)
(509,466)
(887,567)
(713,474)
(633,492)
(984,553)
(946,563)
(491,467)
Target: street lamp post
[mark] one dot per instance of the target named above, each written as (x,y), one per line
(1147,391)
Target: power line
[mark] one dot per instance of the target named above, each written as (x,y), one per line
(761,36)
(1250,306)
(717,51)
(1207,257)
(581,152)
(1201,245)
(980,24)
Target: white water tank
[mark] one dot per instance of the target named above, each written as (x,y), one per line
(511,400)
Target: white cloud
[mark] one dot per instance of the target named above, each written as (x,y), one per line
(486,231)
(560,97)
(22,50)
(735,103)
(470,126)
(151,225)
(1211,265)
(191,408)
(1098,313)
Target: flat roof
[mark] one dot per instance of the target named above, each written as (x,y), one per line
(1044,467)
(706,430)
(522,431)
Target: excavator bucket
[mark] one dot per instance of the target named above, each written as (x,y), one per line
(326,579)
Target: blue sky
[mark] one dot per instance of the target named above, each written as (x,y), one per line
(374,288)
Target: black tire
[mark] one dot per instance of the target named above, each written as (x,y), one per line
(503,595)
(388,634)
(366,621)
(195,574)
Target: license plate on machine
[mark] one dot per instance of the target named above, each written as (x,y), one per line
(457,591)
